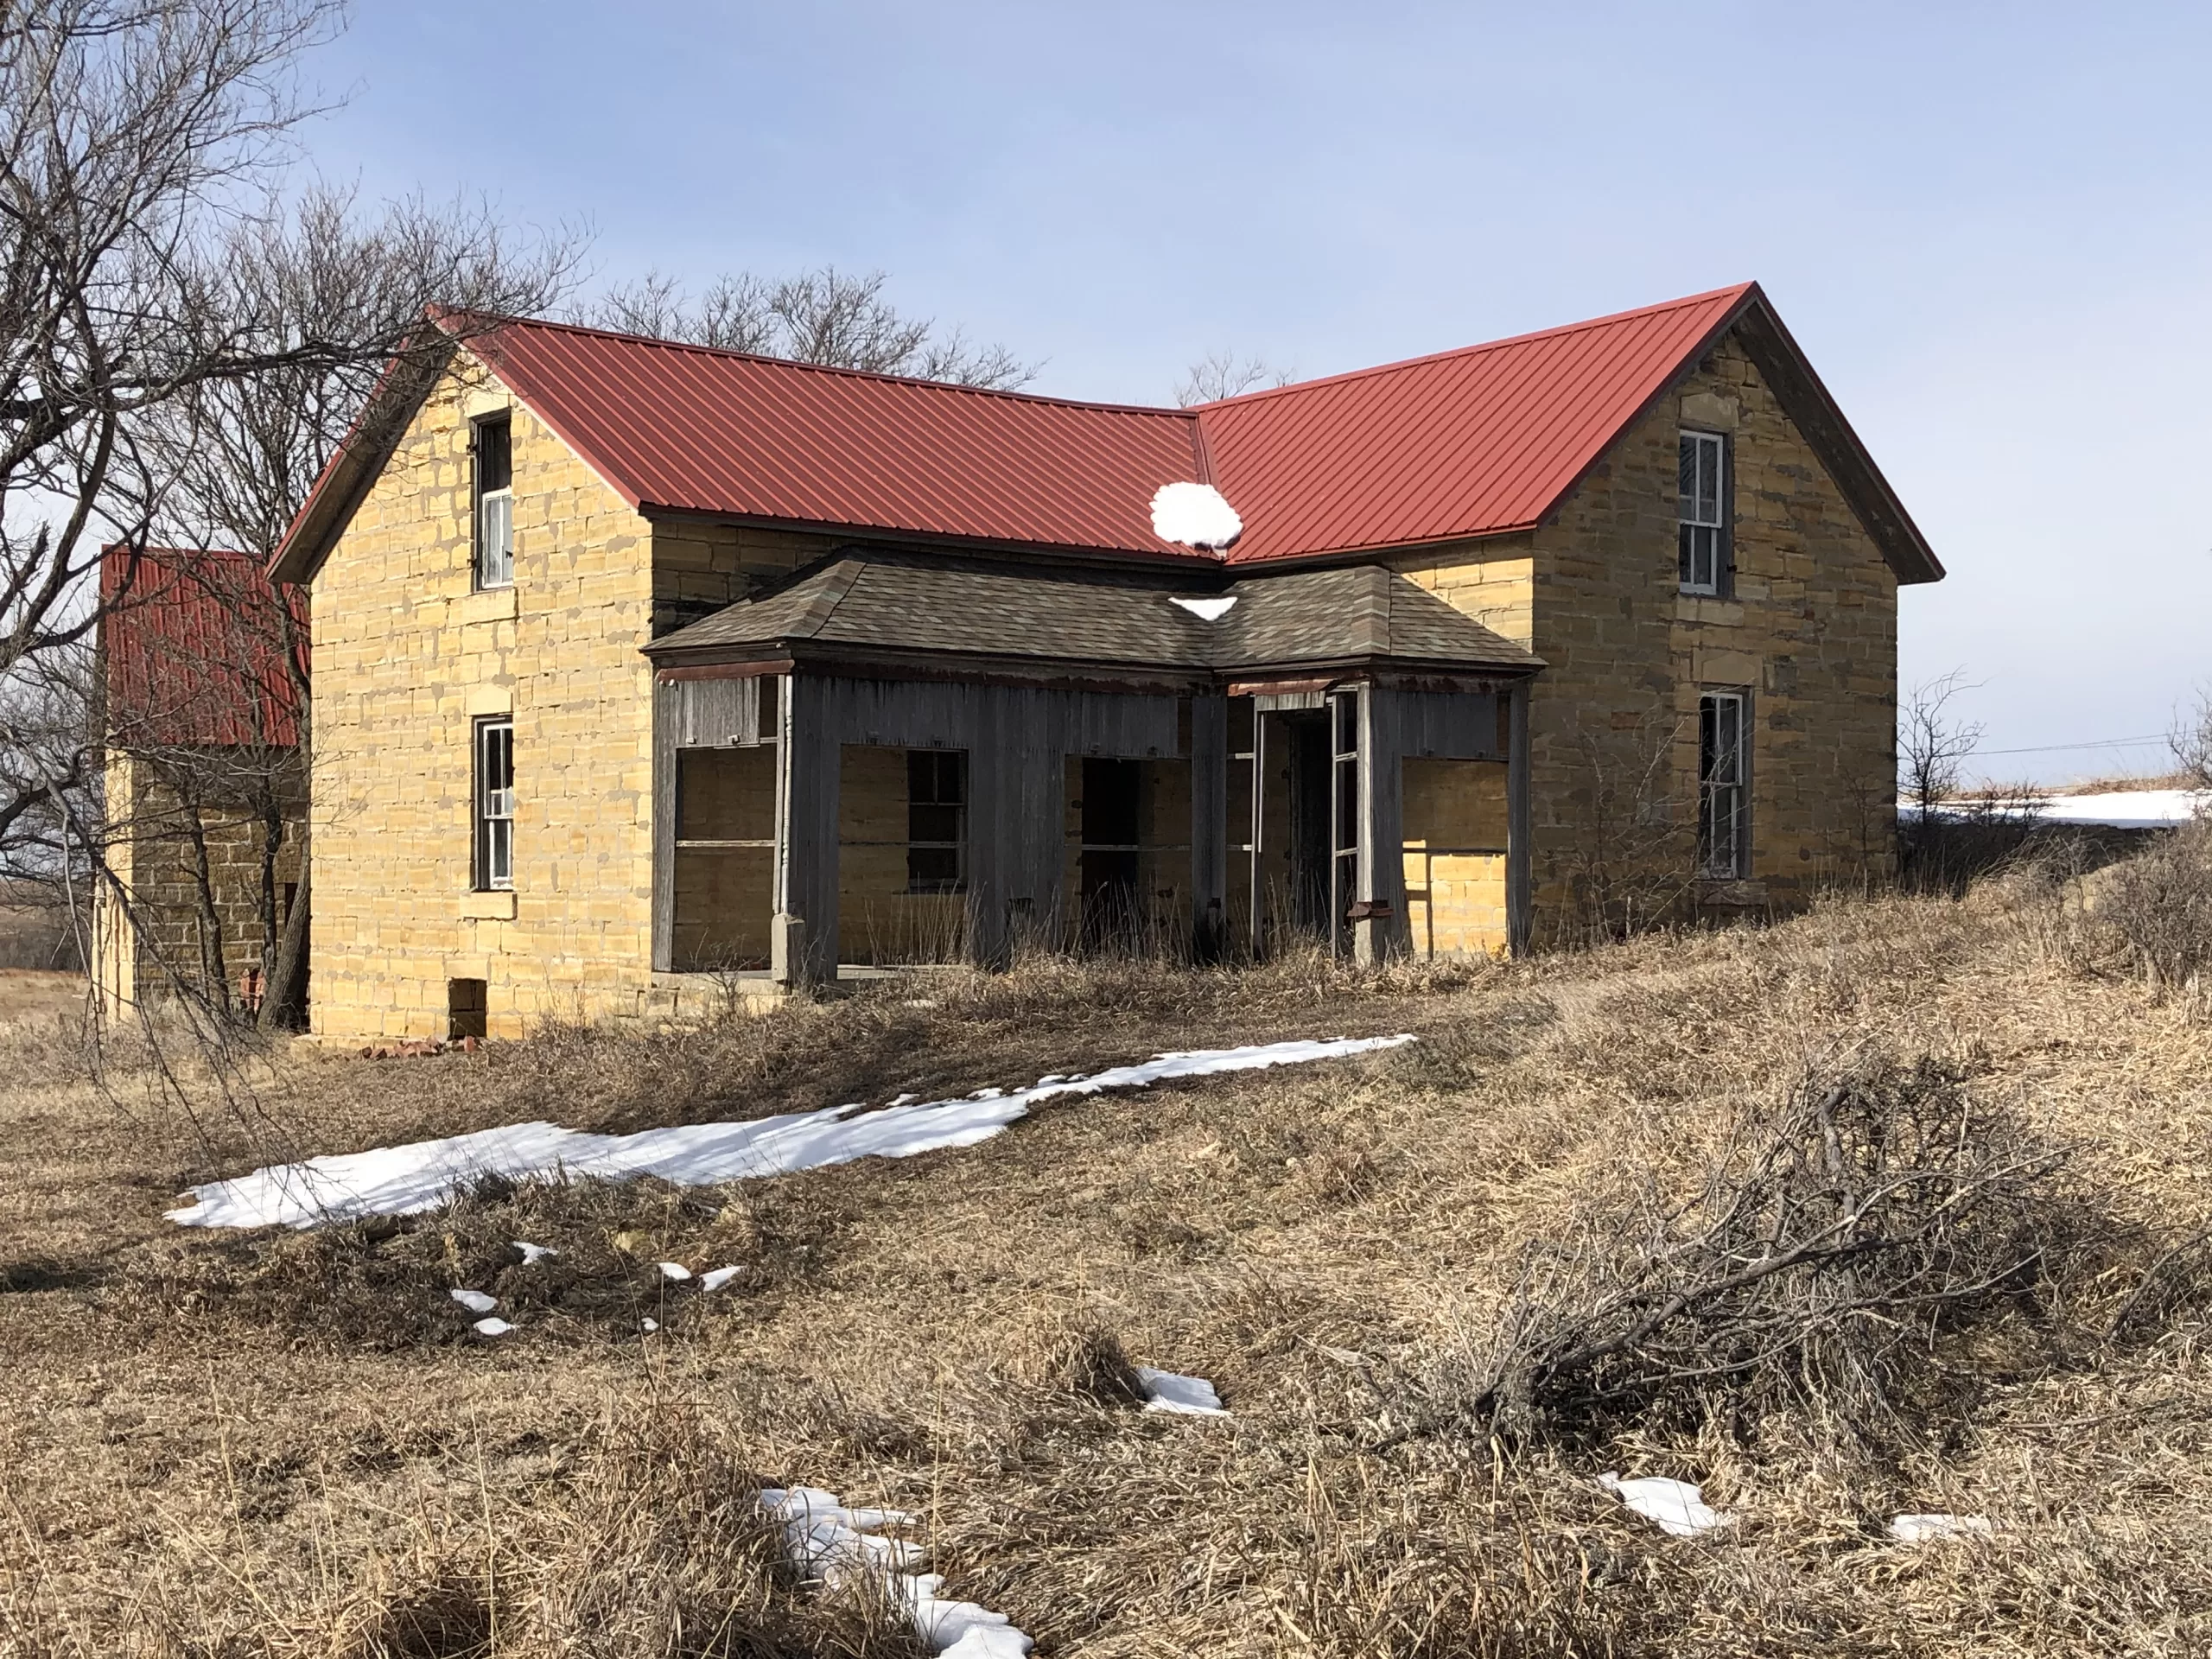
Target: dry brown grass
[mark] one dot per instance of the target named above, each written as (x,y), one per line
(254,1444)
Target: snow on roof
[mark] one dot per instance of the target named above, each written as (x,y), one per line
(1195,515)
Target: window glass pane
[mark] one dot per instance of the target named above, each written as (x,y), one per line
(494,456)
(933,869)
(495,559)
(1700,480)
(1682,549)
(926,823)
(495,804)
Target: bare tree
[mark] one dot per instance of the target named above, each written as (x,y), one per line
(1933,745)
(2190,739)
(825,316)
(1223,374)
(241,455)
(166,314)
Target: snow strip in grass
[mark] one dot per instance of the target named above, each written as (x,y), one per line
(534,1253)
(715,1278)
(1931,1528)
(494,1326)
(828,1541)
(476,1300)
(1676,1505)
(407,1180)
(1168,1391)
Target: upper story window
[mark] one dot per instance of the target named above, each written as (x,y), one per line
(495,804)
(1701,518)
(495,504)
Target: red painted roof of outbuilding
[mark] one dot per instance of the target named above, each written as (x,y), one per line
(194,647)
(688,428)
(1470,442)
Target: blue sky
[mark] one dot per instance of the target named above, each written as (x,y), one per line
(1990,226)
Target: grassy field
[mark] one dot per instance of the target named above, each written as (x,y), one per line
(263,1443)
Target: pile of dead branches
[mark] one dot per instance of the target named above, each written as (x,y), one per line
(1823,1254)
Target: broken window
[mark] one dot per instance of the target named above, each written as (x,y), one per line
(1701,520)
(495,504)
(1724,798)
(495,803)
(936,820)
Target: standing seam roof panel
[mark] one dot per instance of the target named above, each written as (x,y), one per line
(1463,443)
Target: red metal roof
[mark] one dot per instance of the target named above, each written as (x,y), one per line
(1469,442)
(194,647)
(684,427)
(1473,443)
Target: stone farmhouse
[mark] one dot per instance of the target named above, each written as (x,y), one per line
(645,675)
(205,674)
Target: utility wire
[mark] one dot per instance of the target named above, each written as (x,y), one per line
(2104,743)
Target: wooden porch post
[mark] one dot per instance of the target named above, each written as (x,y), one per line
(1519,894)
(803,935)
(1379,905)
(1208,826)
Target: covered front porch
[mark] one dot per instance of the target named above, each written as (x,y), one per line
(841,789)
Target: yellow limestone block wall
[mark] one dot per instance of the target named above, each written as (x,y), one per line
(1811,632)
(406,657)
(152,859)
(1454,856)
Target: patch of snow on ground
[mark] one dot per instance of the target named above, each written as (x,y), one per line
(1168,1391)
(826,1539)
(718,1277)
(491,1327)
(2123,809)
(2114,809)
(1679,1507)
(476,1300)
(675,1272)
(649,1325)
(1207,610)
(1196,515)
(409,1180)
(534,1253)
(1929,1528)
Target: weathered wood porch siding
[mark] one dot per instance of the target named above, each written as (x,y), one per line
(1016,739)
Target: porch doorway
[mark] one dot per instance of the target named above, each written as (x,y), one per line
(1112,829)
(1307,732)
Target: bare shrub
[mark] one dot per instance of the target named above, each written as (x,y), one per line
(1629,857)
(2160,905)
(1824,1251)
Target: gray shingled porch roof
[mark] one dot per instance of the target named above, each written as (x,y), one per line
(865,601)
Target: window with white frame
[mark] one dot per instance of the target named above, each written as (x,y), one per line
(1701,518)
(1724,778)
(495,803)
(495,502)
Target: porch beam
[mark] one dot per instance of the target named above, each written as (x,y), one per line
(1379,907)
(1208,827)
(802,934)
(1519,816)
